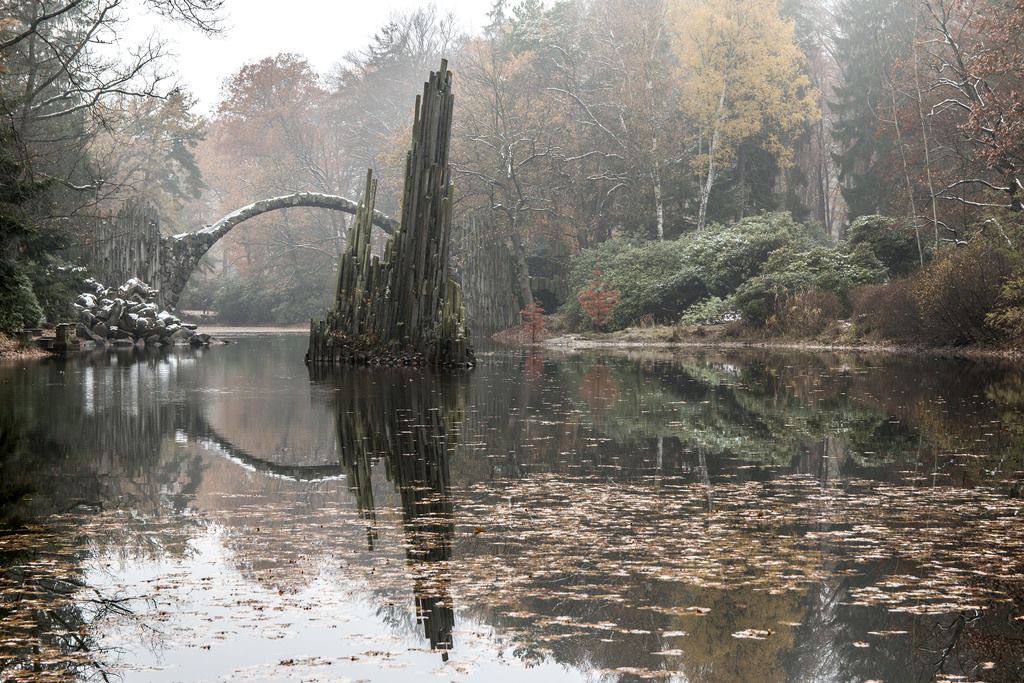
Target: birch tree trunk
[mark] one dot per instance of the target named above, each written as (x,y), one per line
(659,206)
(709,182)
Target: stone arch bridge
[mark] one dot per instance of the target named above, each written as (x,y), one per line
(130,245)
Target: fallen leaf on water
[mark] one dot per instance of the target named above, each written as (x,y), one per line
(753,633)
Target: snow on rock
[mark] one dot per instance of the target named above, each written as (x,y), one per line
(130,312)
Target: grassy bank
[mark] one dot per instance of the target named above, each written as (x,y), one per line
(12,349)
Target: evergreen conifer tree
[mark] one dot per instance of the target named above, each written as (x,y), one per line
(869,33)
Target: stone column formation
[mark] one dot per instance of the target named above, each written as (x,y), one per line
(404,309)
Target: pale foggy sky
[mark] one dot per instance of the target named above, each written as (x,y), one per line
(321,30)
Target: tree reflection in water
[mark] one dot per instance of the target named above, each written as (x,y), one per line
(863,511)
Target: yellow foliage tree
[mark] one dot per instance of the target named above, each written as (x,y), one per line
(742,77)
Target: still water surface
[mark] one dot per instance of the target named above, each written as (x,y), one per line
(221,514)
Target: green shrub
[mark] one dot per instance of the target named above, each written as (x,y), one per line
(727,256)
(240,300)
(259,301)
(18,304)
(664,279)
(788,272)
(652,278)
(56,285)
(1008,316)
(711,311)
(891,241)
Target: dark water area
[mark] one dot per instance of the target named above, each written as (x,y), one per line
(222,514)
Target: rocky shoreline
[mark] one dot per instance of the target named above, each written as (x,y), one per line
(129,316)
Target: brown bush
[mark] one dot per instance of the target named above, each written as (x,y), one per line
(956,293)
(806,313)
(947,303)
(887,311)
(734,329)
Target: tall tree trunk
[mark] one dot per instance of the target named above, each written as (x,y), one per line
(906,171)
(709,181)
(30,81)
(927,151)
(659,205)
(518,251)
(832,227)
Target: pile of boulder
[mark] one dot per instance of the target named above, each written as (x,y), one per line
(129,314)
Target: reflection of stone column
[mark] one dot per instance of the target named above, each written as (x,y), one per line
(424,484)
(358,466)
(406,419)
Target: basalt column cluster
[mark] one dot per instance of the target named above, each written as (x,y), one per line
(403,308)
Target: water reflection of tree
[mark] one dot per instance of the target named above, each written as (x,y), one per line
(723,409)
(99,429)
(828,416)
(423,433)
(73,438)
(407,421)
(816,414)
(599,390)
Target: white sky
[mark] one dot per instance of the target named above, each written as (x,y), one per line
(321,30)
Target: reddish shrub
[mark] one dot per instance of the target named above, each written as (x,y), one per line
(949,302)
(598,300)
(956,293)
(533,321)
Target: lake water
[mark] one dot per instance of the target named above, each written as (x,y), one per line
(221,514)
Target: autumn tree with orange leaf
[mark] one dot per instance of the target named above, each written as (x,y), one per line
(598,300)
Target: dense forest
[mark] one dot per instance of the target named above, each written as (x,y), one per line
(791,167)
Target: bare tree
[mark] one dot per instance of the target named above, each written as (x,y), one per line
(504,145)
(66,81)
(621,99)
(975,55)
